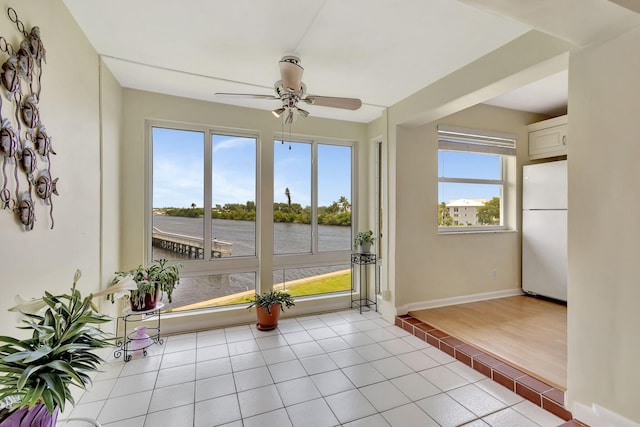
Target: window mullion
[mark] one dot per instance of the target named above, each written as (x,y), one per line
(314,197)
(208,191)
(472,181)
(503,193)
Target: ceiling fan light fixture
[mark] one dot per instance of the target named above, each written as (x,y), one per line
(278,111)
(303,113)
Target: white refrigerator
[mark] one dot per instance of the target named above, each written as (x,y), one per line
(544,229)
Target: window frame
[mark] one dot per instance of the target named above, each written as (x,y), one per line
(315,257)
(261,261)
(205,266)
(478,142)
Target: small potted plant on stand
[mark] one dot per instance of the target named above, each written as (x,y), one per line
(36,373)
(151,281)
(268,308)
(363,241)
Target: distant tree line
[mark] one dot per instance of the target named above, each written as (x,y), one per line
(338,213)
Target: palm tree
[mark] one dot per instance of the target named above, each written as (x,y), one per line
(444,217)
(193,205)
(344,203)
(288,194)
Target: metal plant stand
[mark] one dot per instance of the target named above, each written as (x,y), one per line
(130,342)
(361,263)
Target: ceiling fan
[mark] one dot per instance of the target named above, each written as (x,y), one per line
(290,90)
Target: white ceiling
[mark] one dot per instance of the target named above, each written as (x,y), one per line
(546,96)
(380,51)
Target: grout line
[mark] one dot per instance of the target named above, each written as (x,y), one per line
(404,336)
(438,339)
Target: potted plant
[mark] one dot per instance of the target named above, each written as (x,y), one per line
(36,372)
(364,240)
(151,281)
(268,308)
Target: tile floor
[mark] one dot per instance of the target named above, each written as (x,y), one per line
(333,369)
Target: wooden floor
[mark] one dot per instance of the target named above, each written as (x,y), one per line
(527,332)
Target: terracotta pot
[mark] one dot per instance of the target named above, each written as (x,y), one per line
(266,321)
(150,301)
(38,416)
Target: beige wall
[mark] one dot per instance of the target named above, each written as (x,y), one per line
(432,266)
(111,154)
(604,171)
(42,258)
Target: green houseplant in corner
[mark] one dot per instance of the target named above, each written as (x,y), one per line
(158,277)
(36,372)
(363,240)
(268,308)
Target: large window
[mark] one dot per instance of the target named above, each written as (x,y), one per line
(312,212)
(312,205)
(178,193)
(292,198)
(471,178)
(204,212)
(233,195)
(334,198)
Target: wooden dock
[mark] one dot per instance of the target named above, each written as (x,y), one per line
(193,247)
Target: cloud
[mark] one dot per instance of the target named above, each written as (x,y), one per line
(223,143)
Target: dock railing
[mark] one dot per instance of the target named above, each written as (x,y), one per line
(191,246)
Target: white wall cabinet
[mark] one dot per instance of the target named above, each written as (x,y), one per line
(548,138)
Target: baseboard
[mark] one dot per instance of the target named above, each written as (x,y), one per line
(458,300)
(595,415)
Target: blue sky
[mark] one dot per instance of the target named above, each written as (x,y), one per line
(457,164)
(292,169)
(178,170)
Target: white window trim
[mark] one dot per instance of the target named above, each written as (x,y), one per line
(454,138)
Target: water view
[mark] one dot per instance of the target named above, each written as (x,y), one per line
(219,289)
(300,189)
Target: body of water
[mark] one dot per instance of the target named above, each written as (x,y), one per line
(288,239)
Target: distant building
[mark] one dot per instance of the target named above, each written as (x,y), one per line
(465,211)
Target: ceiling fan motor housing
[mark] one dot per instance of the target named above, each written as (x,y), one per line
(291,72)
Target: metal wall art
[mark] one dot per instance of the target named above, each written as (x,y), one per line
(24,142)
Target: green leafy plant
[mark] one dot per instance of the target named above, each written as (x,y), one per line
(59,353)
(363,237)
(271,298)
(166,276)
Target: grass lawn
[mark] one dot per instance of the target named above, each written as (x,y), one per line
(313,287)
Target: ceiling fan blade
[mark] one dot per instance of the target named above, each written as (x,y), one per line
(245,95)
(332,101)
